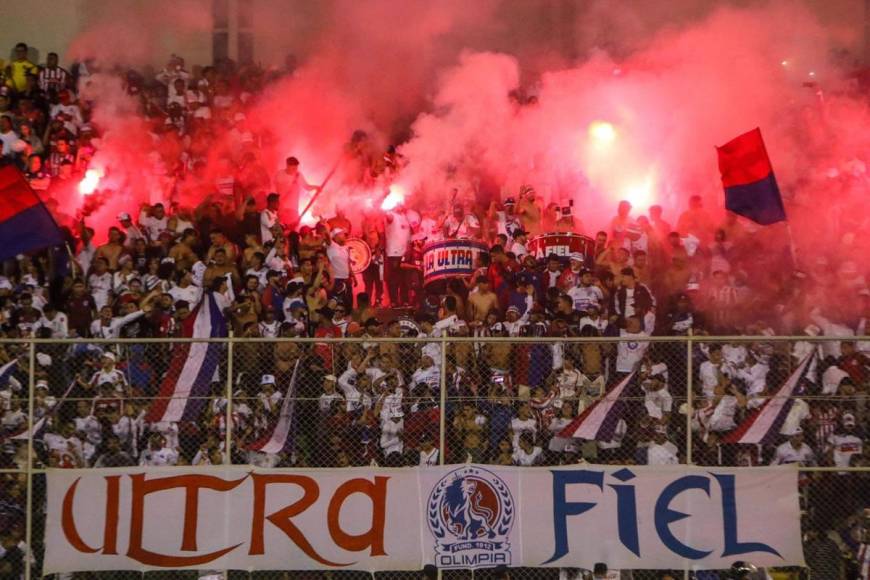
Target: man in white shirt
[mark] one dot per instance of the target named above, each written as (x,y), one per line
(657,400)
(289,184)
(845,443)
(587,293)
(518,247)
(186,290)
(660,450)
(428,451)
(338,253)
(461,226)
(158,452)
(392,429)
(397,233)
(794,451)
(449,321)
(269,217)
(630,350)
(712,369)
(153,220)
(132,231)
(56,322)
(428,373)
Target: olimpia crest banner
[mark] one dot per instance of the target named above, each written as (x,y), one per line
(465,516)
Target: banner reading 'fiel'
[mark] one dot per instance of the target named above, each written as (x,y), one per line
(468,516)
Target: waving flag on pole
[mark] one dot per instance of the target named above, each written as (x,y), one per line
(192,365)
(598,422)
(7,370)
(25,223)
(281,438)
(764,424)
(37,431)
(747,175)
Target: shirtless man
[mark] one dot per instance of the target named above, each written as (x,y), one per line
(112,249)
(481,302)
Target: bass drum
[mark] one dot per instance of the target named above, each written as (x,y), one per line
(360,255)
(562,245)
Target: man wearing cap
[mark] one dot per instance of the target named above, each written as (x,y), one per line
(845,442)
(794,451)
(506,220)
(587,293)
(571,275)
(108,373)
(338,253)
(132,231)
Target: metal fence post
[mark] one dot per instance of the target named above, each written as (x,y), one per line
(28,521)
(689,398)
(442,415)
(228,435)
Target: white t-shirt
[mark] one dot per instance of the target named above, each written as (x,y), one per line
(431,376)
(191,294)
(524,459)
(664,454)
(519,426)
(397,233)
(339,259)
(785,454)
(658,403)
(461,229)
(845,445)
(391,436)
(629,353)
(584,296)
(429,459)
(268,219)
(152,225)
(722,419)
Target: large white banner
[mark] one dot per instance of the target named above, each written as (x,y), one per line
(467,516)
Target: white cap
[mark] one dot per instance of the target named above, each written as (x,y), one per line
(123,216)
(848,419)
(577,256)
(5,284)
(267,380)
(338,231)
(796,431)
(330,378)
(43,384)
(110,356)
(43,359)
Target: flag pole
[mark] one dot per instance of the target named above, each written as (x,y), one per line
(791,245)
(319,190)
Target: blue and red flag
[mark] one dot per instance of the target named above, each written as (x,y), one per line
(600,420)
(192,366)
(764,424)
(25,223)
(747,175)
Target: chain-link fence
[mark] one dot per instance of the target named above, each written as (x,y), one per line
(425,401)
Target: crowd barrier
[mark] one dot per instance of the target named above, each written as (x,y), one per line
(274,404)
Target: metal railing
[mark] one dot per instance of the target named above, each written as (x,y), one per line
(467,378)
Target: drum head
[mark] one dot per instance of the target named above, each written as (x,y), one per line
(360,255)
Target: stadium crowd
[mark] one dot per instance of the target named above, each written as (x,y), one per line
(508,403)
